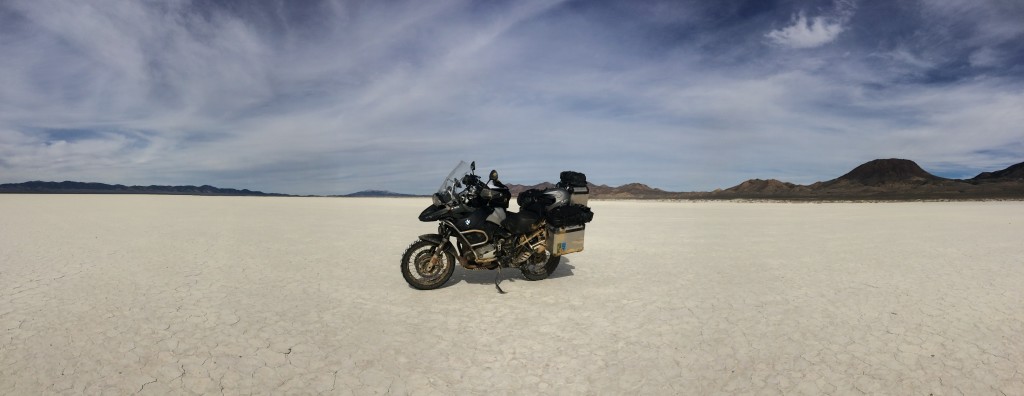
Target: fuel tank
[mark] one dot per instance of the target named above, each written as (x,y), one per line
(476,227)
(473,221)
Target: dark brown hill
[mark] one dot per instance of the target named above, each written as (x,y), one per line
(1013,172)
(888,171)
(889,179)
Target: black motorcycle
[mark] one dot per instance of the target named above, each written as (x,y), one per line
(476,229)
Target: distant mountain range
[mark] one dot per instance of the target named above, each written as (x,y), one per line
(71,187)
(890,179)
(881,179)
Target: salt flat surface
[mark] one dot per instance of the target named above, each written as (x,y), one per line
(172,294)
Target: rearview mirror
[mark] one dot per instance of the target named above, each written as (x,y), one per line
(472,166)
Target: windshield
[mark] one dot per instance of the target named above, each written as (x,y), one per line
(456,175)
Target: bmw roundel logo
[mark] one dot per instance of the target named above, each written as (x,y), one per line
(468,221)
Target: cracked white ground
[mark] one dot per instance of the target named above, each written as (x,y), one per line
(163,294)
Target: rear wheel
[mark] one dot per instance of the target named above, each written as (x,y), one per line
(422,270)
(540,267)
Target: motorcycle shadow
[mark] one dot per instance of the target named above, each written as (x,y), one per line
(480,277)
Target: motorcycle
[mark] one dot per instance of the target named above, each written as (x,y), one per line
(476,229)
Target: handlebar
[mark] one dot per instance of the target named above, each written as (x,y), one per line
(471,180)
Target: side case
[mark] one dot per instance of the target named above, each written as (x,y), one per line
(565,240)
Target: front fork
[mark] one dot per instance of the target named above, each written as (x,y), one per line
(438,251)
(442,239)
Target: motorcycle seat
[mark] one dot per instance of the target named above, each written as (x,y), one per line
(520,223)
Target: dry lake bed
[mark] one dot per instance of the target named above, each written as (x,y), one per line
(181,294)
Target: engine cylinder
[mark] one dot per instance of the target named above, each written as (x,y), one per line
(485,252)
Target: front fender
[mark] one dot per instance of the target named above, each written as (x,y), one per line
(432,238)
(445,245)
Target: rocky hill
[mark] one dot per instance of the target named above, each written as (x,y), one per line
(892,172)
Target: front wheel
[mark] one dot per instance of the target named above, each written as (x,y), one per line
(540,268)
(422,270)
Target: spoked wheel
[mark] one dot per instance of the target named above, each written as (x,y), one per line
(540,266)
(422,270)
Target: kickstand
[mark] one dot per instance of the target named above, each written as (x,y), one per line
(497,280)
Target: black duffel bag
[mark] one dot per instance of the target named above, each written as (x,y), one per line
(570,215)
(534,200)
(573,179)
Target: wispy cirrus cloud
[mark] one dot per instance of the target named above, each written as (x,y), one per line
(338,96)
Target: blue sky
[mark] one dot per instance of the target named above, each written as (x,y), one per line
(311,97)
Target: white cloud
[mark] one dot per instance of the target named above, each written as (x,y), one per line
(810,32)
(807,33)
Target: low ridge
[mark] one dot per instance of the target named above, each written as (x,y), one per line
(72,187)
(770,186)
(1013,172)
(377,194)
